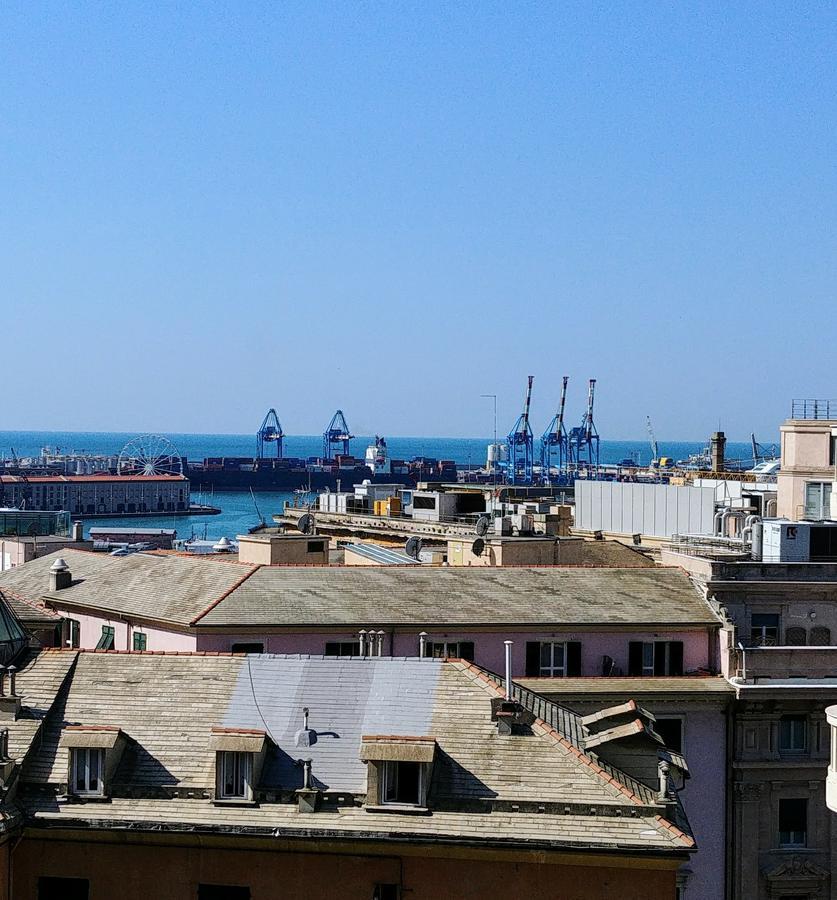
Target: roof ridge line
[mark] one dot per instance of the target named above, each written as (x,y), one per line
(548,731)
(234,587)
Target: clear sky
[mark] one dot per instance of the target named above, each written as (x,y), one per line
(207,209)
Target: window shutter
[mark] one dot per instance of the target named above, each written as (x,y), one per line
(675,658)
(660,657)
(466,650)
(533,659)
(634,657)
(573,662)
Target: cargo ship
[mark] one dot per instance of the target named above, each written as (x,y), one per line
(240,473)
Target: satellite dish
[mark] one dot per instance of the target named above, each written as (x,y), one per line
(482,525)
(478,547)
(413,547)
(306,523)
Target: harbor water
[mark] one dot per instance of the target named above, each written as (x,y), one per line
(241,510)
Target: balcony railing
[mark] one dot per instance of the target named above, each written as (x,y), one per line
(814,409)
(754,663)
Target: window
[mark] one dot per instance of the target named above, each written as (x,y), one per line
(385,892)
(793,823)
(107,638)
(63,888)
(140,641)
(403,783)
(655,658)
(793,734)
(87,769)
(455,649)
(316,546)
(236,775)
(424,502)
(223,892)
(74,631)
(553,659)
(818,500)
(764,630)
(820,636)
(796,636)
(245,647)
(342,648)
(671,731)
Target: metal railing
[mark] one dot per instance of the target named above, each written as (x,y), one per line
(814,409)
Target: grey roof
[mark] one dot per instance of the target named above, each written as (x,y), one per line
(677,686)
(31,613)
(161,587)
(167,704)
(414,595)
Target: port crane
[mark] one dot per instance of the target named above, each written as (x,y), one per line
(584,439)
(655,455)
(521,444)
(337,434)
(554,441)
(270,433)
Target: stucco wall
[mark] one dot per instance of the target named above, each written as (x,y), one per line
(157,638)
(166,873)
(488,646)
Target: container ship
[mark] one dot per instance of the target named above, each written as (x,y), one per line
(237,473)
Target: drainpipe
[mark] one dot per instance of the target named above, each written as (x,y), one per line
(743,653)
(508,669)
(716,521)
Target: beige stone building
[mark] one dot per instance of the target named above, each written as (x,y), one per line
(809,461)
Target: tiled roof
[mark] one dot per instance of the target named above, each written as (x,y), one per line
(462,596)
(184,589)
(675,685)
(31,613)
(167,704)
(174,589)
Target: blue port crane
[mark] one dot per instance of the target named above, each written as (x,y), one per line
(270,433)
(337,434)
(584,439)
(554,441)
(521,444)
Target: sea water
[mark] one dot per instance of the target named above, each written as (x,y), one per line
(241,510)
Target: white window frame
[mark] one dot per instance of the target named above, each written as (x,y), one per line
(648,652)
(80,764)
(821,508)
(241,775)
(447,648)
(553,670)
(389,770)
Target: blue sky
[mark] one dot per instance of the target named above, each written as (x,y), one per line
(209,209)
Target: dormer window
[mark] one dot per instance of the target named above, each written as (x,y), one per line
(239,757)
(93,754)
(87,765)
(236,775)
(399,771)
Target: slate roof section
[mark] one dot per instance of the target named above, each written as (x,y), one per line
(673,686)
(172,589)
(31,614)
(462,596)
(167,704)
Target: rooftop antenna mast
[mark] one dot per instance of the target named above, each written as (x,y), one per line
(270,433)
(554,440)
(521,444)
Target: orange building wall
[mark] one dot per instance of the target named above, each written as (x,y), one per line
(135,872)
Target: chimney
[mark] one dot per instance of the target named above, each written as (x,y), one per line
(60,576)
(716,451)
(78,531)
(508,669)
(307,796)
(9,703)
(422,644)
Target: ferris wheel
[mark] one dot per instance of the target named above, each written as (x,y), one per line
(149,454)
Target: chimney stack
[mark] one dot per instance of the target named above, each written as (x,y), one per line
(78,531)
(60,576)
(716,451)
